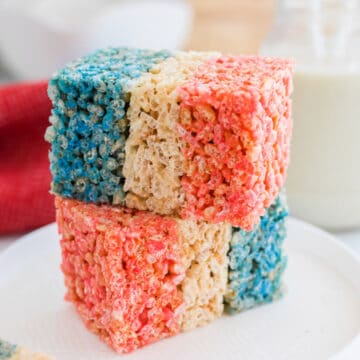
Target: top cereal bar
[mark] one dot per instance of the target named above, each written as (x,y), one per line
(199,135)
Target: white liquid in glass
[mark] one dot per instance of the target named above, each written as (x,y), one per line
(324,176)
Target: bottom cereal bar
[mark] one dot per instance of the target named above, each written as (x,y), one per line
(136,277)
(14,352)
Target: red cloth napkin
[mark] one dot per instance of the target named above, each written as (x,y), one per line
(25,202)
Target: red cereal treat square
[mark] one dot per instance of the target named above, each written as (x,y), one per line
(121,272)
(235,121)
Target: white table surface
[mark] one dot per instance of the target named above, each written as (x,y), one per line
(351,239)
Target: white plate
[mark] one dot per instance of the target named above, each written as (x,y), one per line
(319,316)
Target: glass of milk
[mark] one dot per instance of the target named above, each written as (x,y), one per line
(324,176)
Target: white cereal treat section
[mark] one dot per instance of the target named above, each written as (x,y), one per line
(205,249)
(24,354)
(154,162)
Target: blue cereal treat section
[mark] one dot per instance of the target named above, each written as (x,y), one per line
(89,128)
(7,350)
(257,260)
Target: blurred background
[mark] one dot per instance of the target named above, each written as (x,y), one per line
(323,36)
(40,35)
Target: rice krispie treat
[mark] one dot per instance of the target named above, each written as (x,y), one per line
(137,277)
(257,260)
(167,169)
(197,135)
(14,352)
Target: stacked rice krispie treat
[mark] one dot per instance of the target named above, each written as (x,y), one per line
(10,351)
(168,169)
